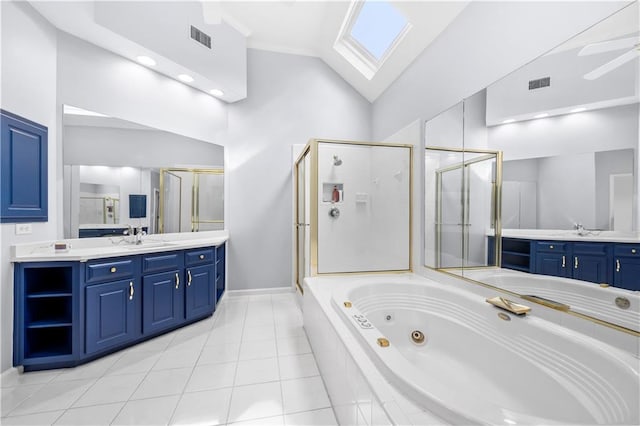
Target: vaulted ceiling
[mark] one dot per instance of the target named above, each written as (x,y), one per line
(161,30)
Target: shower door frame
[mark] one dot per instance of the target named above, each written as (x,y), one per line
(496,203)
(311,148)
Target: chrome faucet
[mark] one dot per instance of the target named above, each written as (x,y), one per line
(139,234)
(580,228)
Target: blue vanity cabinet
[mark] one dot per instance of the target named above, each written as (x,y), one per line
(46,317)
(516,254)
(23,171)
(626,266)
(163,292)
(552,258)
(592,262)
(220,271)
(112,303)
(200,290)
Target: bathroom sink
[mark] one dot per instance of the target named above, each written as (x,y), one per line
(148,244)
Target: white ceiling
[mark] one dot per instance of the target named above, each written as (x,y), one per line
(160,29)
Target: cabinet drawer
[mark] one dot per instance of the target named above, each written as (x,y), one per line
(113,269)
(551,246)
(590,248)
(631,250)
(199,256)
(159,262)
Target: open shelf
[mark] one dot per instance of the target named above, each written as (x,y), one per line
(48,280)
(516,254)
(48,341)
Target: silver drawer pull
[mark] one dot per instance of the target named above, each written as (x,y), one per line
(201,256)
(564,261)
(131,290)
(177,281)
(617,265)
(189,278)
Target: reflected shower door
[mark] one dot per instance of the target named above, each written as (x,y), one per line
(450,215)
(172,201)
(208,202)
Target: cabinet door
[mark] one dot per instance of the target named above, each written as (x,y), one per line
(556,264)
(627,273)
(111,313)
(163,305)
(23,175)
(200,291)
(591,268)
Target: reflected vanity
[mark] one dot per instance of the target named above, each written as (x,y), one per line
(565,231)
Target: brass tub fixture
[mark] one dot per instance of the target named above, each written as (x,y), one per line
(508,305)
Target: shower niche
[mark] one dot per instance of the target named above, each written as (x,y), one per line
(353,208)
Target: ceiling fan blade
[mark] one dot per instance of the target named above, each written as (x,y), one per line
(608,46)
(611,65)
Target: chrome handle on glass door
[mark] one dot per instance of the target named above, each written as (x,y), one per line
(177,281)
(131,291)
(188,278)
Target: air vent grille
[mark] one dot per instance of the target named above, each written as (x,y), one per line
(201,37)
(540,83)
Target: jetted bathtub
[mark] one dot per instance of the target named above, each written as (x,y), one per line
(583,297)
(478,365)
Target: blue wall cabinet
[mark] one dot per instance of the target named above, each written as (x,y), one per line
(111,311)
(23,171)
(627,266)
(200,291)
(163,305)
(46,315)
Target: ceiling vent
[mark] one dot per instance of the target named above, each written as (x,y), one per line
(200,37)
(540,83)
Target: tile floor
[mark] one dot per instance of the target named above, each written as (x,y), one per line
(250,364)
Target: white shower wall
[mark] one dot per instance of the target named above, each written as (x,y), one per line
(372,231)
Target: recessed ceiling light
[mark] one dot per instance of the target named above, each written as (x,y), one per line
(578,109)
(216,92)
(145,60)
(185,78)
(508,120)
(543,115)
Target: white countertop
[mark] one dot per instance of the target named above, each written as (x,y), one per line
(563,235)
(83,249)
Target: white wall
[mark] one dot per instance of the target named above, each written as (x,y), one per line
(487,41)
(137,148)
(291,99)
(29,90)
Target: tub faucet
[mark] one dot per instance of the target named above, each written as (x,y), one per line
(508,305)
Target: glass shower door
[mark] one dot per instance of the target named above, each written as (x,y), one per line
(170,215)
(302,220)
(208,202)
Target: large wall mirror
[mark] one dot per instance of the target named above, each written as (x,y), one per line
(566,231)
(119,174)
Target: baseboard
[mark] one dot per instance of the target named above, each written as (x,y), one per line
(259,291)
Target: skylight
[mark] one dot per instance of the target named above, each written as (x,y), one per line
(377,26)
(370,32)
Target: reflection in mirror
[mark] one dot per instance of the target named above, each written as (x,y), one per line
(567,124)
(116,174)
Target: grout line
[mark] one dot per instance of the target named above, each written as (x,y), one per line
(235,373)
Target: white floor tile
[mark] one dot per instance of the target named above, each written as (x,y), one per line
(133,362)
(304,395)
(110,389)
(94,415)
(213,354)
(323,417)
(204,408)
(269,421)
(298,366)
(257,349)
(53,396)
(154,411)
(12,397)
(255,402)
(92,370)
(155,345)
(39,419)
(224,335)
(174,358)
(163,383)
(12,377)
(259,333)
(257,371)
(293,346)
(212,376)
(287,330)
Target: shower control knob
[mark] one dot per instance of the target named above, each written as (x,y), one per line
(334,212)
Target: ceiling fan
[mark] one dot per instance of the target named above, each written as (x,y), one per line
(631,43)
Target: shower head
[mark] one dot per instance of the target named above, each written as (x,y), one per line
(336,160)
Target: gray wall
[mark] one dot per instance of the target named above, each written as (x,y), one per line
(291,99)
(487,41)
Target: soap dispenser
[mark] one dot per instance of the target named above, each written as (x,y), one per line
(335,195)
